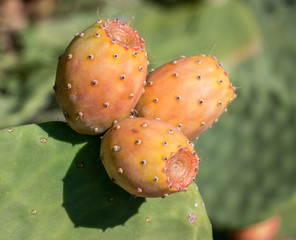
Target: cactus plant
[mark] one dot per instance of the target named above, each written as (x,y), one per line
(227,17)
(52,186)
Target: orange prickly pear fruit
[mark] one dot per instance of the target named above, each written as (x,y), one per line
(265,230)
(100,76)
(148,157)
(189,93)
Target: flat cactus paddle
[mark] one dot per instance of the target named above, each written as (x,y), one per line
(53,187)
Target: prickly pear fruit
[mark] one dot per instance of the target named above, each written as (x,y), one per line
(189,93)
(100,76)
(264,230)
(148,157)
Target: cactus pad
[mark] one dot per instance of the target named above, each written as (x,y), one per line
(53,187)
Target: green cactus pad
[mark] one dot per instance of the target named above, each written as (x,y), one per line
(287,214)
(250,168)
(53,186)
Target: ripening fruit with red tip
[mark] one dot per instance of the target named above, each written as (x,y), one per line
(148,157)
(100,76)
(189,93)
(265,230)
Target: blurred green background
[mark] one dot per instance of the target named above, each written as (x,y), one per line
(248,172)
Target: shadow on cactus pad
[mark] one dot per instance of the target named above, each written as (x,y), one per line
(89,197)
